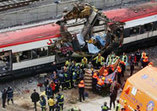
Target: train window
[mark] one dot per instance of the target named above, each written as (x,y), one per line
(43,51)
(5,61)
(155,25)
(127,32)
(142,29)
(148,27)
(32,54)
(134,30)
(16,57)
(25,55)
(51,50)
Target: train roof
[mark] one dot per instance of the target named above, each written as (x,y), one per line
(132,13)
(29,35)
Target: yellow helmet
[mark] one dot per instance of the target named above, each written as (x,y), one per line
(103,78)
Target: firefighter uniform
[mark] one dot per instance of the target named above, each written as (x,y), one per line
(60,101)
(67,80)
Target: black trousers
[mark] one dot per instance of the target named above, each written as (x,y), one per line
(60,107)
(35,106)
(51,108)
(119,78)
(98,64)
(112,102)
(3,102)
(11,100)
(131,69)
(81,94)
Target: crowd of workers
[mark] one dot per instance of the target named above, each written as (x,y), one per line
(71,75)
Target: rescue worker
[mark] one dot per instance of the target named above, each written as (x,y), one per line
(138,57)
(119,74)
(75,108)
(105,107)
(84,62)
(109,60)
(111,69)
(100,83)
(67,80)
(118,106)
(89,65)
(74,78)
(105,73)
(60,101)
(61,79)
(124,58)
(43,103)
(67,63)
(94,81)
(46,82)
(35,98)
(122,64)
(143,55)
(53,86)
(115,59)
(99,60)
(145,62)
(51,103)
(10,95)
(4,96)
(132,61)
(81,86)
(113,96)
(49,92)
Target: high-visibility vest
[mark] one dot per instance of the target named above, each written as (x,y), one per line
(109,60)
(99,59)
(95,77)
(143,55)
(115,59)
(81,85)
(61,99)
(67,63)
(100,82)
(119,108)
(104,108)
(124,58)
(84,61)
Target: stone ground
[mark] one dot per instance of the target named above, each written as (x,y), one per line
(24,87)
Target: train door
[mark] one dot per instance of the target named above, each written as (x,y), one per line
(5,62)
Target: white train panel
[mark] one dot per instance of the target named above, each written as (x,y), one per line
(27,46)
(140,21)
(33,62)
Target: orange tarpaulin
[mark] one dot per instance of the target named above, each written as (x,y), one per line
(141,89)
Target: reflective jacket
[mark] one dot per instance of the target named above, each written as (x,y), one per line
(60,99)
